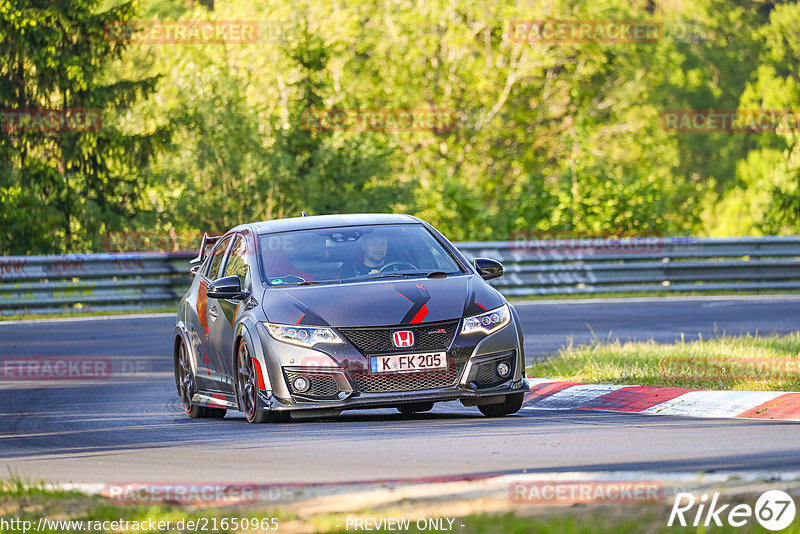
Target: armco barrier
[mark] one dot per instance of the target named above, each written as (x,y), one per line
(85,282)
(129,281)
(559,267)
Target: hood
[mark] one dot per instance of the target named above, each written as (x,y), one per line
(380,302)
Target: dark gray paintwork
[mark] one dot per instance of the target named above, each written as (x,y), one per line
(213,329)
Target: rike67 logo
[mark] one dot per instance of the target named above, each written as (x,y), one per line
(774,510)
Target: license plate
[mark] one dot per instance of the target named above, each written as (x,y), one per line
(407,363)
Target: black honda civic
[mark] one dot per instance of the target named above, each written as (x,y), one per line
(309,316)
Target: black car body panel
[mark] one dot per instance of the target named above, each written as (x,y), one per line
(381,303)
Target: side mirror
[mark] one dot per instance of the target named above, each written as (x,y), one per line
(193,270)
(488,269)
(227,287)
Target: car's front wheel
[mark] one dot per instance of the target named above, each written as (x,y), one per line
(247,389)
(511,405)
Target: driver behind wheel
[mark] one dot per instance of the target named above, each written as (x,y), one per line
(374,247)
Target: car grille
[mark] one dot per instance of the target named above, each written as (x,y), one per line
(430,336)
(440,378)
(486,373)
(323,385)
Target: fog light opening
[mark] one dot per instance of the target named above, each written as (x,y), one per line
(503,369)
(301,384)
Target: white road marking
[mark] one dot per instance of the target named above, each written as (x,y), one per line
(713,403)
(574,397)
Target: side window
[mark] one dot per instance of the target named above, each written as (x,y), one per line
(216,259)
(237,262)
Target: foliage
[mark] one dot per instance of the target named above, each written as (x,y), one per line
(548,136)
(60,185)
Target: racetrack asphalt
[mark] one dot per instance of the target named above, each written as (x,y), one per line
(130,426)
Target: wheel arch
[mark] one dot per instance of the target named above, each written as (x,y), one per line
(520,343)
(178,337)
(247,330)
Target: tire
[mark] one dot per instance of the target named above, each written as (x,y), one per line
(247,390)
(417,407)
(184,377)
(511,405)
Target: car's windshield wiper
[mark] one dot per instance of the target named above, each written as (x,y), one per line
(390,275)
(432,274)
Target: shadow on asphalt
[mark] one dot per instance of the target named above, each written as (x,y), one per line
(102,418)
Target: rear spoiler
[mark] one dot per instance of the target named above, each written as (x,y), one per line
(201,255)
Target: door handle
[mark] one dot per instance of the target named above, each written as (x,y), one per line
(213,313)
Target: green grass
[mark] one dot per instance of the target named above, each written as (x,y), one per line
(30,501)
(611,519)
(26,501)
(761,363)
(558,522)
(14,486)
(94,313)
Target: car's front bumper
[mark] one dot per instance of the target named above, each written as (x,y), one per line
(349,385)
(465,394)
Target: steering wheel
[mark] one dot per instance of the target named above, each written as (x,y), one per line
(401,263)
(289,279)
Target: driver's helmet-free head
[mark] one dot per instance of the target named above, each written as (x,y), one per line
(375,245)
(375,236)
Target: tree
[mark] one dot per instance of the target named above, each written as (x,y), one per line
(61,183)
(765,198)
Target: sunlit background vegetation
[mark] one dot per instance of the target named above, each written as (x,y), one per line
(552,137)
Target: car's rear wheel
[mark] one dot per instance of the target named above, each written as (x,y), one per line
(247,389)
(187,389)
(511,405)
(415,407)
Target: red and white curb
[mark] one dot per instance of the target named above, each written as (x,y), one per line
(546,394)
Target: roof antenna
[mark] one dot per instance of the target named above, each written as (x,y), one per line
(303,214)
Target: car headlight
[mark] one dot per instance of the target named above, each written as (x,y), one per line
(306,336)
(488,322)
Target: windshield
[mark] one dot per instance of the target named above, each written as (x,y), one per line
(355,253)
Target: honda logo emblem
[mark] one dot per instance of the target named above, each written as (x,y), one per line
(403,338)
